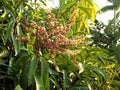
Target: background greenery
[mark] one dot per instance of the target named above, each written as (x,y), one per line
(49,49)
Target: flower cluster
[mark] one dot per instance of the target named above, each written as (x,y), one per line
(52,36)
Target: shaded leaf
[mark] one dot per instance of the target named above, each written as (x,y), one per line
(115,82)
(44,73)
(32,69)
(65,84)
(16,45)
(24,76)
(9,30)
(18,87)
(39,82)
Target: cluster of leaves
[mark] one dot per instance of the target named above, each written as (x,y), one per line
(85,9)
(108,36)
(45,50)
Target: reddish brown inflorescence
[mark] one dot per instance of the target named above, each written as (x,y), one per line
(53,37)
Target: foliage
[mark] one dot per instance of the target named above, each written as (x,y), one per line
(107,37)
(115,4)
(46,49)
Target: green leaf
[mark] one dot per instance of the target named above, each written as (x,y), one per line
(11,65)
(115,82)
(4,76)
(39,82)
(10,8)
(44,73)
(19,30)
(85,10)
(64,8)
(3,19)
(52,70)
(113,88)
(55,81)
(21,61)
(13,2)
(24,76)
(101,58)
(29,45)
(18,87)
(30,48)
(90,2)
(3,52)
(16,45)
(78,88)
(100,71)
(65,84)
(9,30)
(32,69)
(30,7)
(43,1)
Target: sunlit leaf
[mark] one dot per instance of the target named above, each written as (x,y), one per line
(10,8)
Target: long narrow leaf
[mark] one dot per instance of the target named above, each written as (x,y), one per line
(16,45)
(39,82)
(65,84)
(9,30)
(4,52)
(24,76)
(44,73)
(32,69)
(10,8)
